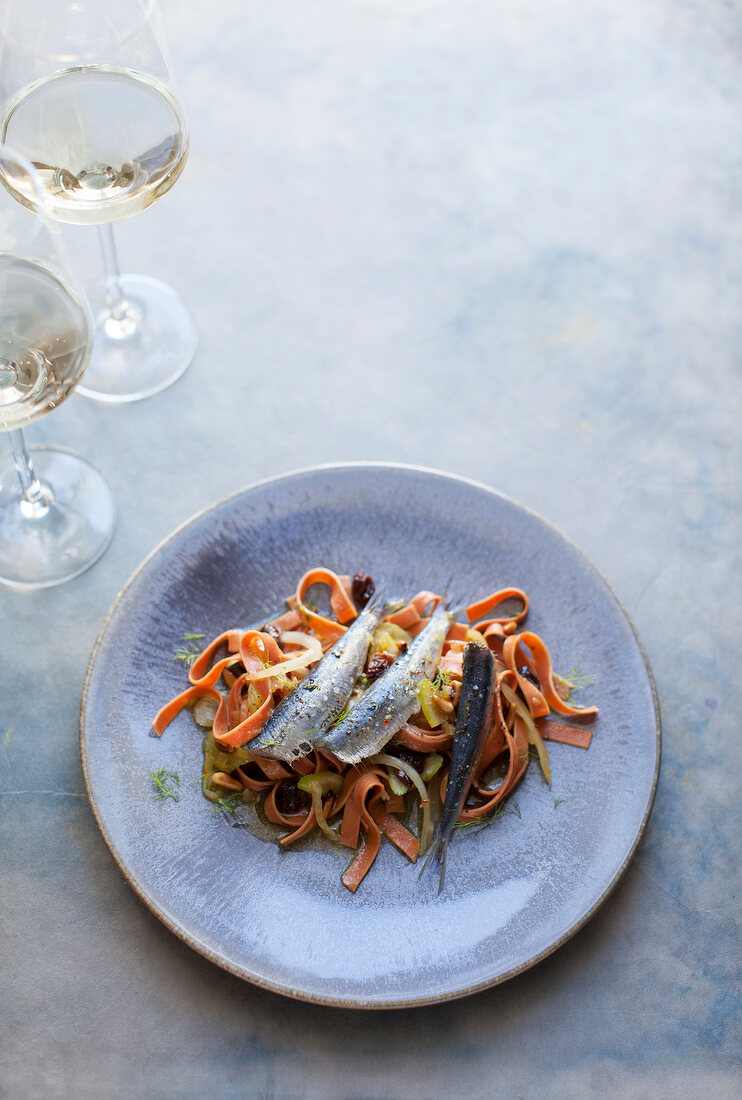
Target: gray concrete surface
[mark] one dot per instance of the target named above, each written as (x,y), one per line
(502,239)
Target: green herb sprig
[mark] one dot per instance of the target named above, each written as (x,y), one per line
(575,681)
(166,784)
(484,820)
(343,714)
(229,805)
(307,733)
(512,807)
(187,652)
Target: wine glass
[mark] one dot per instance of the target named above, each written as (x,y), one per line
(87,95)
(56,512)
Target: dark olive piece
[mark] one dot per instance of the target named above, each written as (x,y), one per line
(363,589)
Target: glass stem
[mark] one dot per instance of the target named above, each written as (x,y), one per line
(34,493)
(115,298)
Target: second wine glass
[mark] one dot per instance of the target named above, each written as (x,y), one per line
(87,94)
(56,512)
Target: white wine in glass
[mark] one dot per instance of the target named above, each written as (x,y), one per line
(90,173)
(44,337)
(90,101)
(56,512)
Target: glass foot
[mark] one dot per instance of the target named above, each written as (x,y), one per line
(143,347)
(61,533)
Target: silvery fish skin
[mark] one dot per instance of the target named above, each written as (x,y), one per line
(295,725)
(385,707)
(473,723)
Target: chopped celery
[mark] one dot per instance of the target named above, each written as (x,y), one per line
(432,766)
(395,783)
(215,760)
(322,781)
(389,638)
(433,714)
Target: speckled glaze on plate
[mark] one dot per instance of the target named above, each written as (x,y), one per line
(514,891)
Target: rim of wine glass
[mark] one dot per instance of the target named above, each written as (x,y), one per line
(146,17)
(39,213)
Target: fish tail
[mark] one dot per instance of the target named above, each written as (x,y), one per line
(376,599)
(455,606)
(458,607)
(437,852)
(442,861)
(390,606)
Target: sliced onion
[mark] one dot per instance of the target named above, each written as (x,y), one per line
(312,653)
(402,766)
(298,637)
(534,737)
(318,783)
(426,831)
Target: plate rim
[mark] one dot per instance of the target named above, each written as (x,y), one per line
(275,987)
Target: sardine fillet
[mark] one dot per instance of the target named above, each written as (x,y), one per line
(391,699)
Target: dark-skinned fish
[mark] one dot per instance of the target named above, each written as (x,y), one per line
(473,723)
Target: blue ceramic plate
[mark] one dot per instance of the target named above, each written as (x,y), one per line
(514,891)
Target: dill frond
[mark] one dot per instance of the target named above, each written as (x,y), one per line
(187,653)
(440,681)
(166,784)
(229,804)
(485,820)
(575,681)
